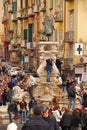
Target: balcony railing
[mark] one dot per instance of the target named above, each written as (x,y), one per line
(5,19)
(25,15)
(68,61)
(36,8)
(19,16)
(42,6)
(30,45)
(68,0)
(30,12)
(58,17)
(14,17)
(23,44)
(10,8)
(69,36)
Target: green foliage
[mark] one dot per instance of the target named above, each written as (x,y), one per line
(20,56)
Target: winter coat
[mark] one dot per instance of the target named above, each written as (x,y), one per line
(52,123)
(36,123)
(66,119)
(84,118)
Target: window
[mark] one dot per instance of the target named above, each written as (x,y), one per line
(30,32)
(33,1)
(72,20)
(14,7)
(60,36)
(26,4)
(58,5)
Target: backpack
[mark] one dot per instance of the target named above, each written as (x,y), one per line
(71,91)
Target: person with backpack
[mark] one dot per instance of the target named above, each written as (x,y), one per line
(11,84)
(72,95)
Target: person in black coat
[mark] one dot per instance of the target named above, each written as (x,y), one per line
(66,120)
(36,122)
(76,119)
(84,119)
(58,64)
(48,68)
(47,115)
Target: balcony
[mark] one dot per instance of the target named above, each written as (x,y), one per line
(5,19)
(14,17)
(30,12)
(36,8)
(42,6)
(10,8)
(23,44)
(58,17)
(30,45)
(69,37)
(68,62)
(19,16)
(10,30)
(68,0)
(25,15)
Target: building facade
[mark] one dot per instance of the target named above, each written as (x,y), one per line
(23,26)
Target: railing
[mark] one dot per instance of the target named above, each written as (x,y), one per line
(14,17)
(69,36)
(5,19)
(30,12)
(10,8)
(58,17)
(42,6)
(36,8)
(30,45)
(68,61)
(68,0)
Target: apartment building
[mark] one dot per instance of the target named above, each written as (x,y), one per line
(23,24)
(1,33)
(75,39)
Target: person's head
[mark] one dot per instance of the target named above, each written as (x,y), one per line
(44,111)
(37,110)
(12,126)
(57,107)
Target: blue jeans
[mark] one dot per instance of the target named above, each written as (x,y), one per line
(71,99)
(10,116)
(48,76)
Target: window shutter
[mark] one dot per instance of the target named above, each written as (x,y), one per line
(51,4)
(14,7)
(25,34)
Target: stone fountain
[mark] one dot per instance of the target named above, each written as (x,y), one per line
(46,90)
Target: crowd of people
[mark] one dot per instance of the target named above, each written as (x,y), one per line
(51,117)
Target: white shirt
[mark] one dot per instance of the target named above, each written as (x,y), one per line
(57,115)
(31,80)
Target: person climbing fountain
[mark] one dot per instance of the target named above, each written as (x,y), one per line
(48,68)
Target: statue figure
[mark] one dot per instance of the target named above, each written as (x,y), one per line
(48,26)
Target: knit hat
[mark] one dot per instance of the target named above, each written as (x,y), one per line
(12,126)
